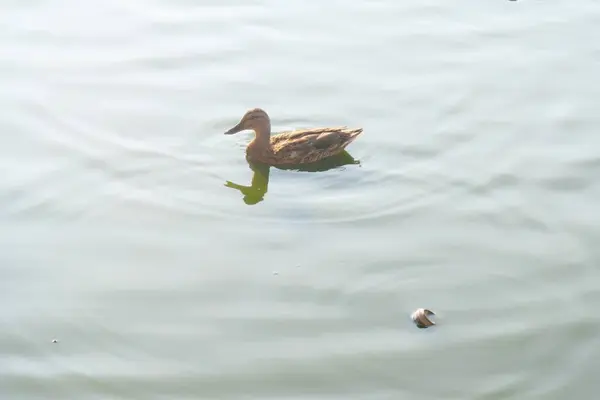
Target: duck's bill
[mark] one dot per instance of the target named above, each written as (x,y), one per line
(233,130)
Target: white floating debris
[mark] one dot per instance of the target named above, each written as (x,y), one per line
(419,317)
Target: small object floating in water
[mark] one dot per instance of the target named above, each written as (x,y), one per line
(54,341)
(419,317)
(275,273)
(301,146)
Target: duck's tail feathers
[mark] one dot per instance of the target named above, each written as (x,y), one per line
(352,134)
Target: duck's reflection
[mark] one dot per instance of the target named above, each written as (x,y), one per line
(255,193)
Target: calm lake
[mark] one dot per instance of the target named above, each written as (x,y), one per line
(142,258)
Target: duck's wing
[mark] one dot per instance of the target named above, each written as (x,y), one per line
(314,144)
(300,133)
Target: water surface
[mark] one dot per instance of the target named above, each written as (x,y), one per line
(137,236)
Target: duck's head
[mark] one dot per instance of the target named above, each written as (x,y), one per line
(256,119)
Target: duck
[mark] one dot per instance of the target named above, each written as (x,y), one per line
(291,147)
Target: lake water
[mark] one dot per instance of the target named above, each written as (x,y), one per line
(135,234)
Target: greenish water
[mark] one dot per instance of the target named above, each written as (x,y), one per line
(136,235)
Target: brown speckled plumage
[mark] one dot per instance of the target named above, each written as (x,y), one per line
(293,147)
